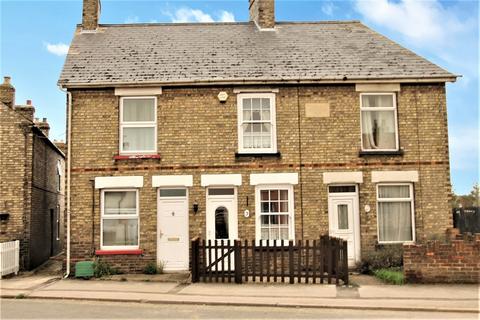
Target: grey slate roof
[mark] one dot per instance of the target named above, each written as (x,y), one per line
(237,53)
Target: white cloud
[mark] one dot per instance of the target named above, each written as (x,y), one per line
(133,19)
(464,148)
(186,14)
(419,21)
(226,16)
(328,8)
(59,49)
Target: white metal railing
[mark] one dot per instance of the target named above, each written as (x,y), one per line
(9,257)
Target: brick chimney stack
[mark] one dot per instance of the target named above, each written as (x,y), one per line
(27,110)
(262,12)
(7,92)
(43,125)
(91,15)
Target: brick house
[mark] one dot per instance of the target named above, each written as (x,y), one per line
(32,170)
(251,130)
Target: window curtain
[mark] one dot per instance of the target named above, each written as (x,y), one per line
(120,232)
(138,110)
(395,221)
(378,129)
(139,139)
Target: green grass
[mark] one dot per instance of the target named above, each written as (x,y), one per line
(392,276)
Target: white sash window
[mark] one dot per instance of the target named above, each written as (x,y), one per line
(138,125)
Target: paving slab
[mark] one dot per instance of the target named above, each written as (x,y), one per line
(434,291)
(387,304)
(260,290)
(110,286)
(26,283)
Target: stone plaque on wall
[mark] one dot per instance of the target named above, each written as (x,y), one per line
(317,110)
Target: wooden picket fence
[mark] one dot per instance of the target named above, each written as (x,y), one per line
(324,260)
(9,257)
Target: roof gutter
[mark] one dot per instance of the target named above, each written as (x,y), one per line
(213,82)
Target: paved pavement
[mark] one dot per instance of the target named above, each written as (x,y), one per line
(52,309)
(444,298)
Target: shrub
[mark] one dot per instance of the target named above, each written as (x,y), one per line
(151,268)
(393,276)
(102,268)
(389,256)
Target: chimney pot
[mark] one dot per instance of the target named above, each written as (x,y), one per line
(29,102)
(44,119)
(7,92)
(6,80)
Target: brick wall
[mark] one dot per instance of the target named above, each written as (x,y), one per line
(198,135)
(456,260)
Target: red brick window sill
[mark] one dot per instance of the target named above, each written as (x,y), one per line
(118,252)
(136,156)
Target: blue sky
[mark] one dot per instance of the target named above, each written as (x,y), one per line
(35,36)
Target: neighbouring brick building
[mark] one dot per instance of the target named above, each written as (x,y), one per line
(258,130)
(32,185)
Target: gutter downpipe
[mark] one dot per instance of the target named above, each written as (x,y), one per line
(69,135)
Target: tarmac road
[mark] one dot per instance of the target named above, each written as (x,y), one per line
(69,309)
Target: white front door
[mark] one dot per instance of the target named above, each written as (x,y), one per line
(344,220)
(222,219)
(172,229)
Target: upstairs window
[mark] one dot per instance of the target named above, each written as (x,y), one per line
(138,125)
(379,122)
(256,123)
(59,176)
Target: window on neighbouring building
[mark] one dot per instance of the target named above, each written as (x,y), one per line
(379,122)
(275,213)
(138,125)
(395,212)
(256,123)
(59,176)
(120,219)
(57,231)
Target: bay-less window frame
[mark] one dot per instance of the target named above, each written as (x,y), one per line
(273,142)
(259,214)
(393,108)
(412,209)
(138,124)
(119,216)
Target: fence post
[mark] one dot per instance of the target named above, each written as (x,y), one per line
(238,261)
(195,260)
(290,262)
(345,263)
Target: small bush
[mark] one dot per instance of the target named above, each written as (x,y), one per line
(390,256)
(151,268)
(393,276)
(102,268)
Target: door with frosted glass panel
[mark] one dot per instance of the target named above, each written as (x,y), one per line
(341,223)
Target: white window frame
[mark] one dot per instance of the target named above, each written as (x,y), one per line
(273,116)
(138,124)
(119,216)
(412,209)
(258,210)
(59,176)
(57,215)
(394,109)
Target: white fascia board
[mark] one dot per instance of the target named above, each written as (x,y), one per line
(119,182)
(147,91)
(273,178)
(221,180)
(343,177)
(394,176)
(172,181)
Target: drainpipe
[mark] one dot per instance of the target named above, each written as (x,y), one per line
(69,135)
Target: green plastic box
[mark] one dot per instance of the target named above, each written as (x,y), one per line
(84,269)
